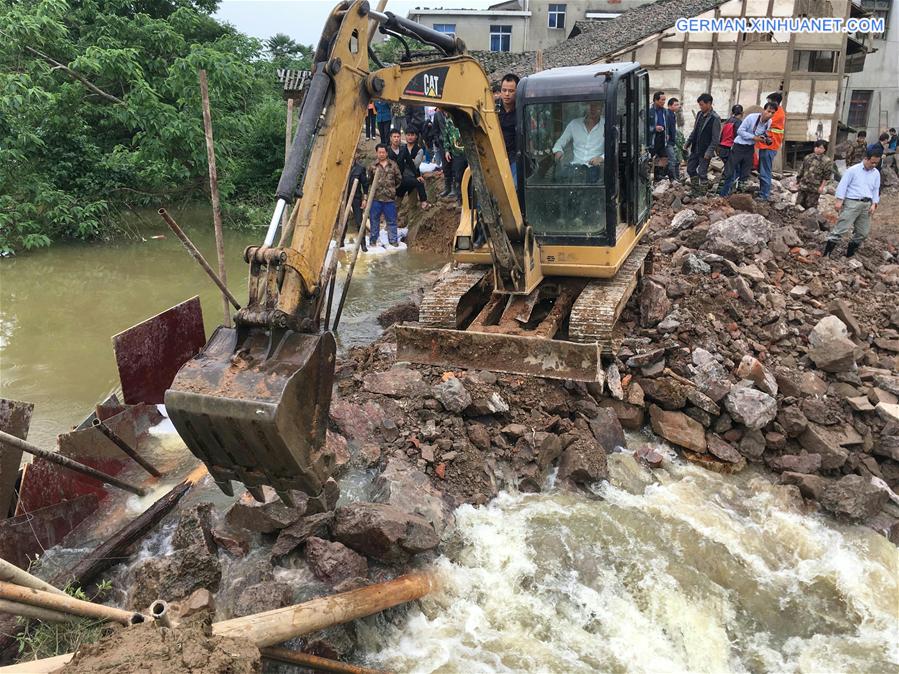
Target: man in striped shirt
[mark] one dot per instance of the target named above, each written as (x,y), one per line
(857,197)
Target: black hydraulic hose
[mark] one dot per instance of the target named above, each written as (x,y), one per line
(313,104)
(448,44)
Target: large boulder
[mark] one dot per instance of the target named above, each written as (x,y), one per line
(453,395)
(268,516)
(383,532)
(830,347)
(709,375)
(853,497)
(820,440)
(355,422)
(666,392)
(738,235)
(754,409)
(398,382)
(403,486)
(174,576)
(583,462)
(677,428)
(297,533)
(333,562)
(796,463)
(654,303)
(265,596)
(607,430)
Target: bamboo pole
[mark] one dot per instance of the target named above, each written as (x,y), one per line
(33,612)
(197,255)
(11,573)
(214,191)
(349,274)
(273,627)
(314,662)
(125,447)
(67,604)
(11,441)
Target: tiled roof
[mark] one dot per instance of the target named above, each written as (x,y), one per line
(597,39)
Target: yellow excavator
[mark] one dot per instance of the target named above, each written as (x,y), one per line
(561,250)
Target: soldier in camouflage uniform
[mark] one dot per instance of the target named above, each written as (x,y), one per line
(857,152)
(816,170)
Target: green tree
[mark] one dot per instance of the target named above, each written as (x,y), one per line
(100,110)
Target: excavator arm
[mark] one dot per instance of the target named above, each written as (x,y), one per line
(253,404)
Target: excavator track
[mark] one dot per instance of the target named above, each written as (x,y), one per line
(441,306)
(598,307)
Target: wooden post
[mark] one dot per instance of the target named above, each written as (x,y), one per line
(15,418)
(273,627)
(11,443)
(349,274)
(539,61)
(214,190)
(67,604)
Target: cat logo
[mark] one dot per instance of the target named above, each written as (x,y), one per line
(428,84)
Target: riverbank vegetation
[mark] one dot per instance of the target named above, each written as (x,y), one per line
(100,111)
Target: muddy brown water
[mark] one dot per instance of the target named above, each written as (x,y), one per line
(60,307)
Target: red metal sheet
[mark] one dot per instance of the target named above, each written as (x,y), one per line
(150,354)
(45,484)
(15,419)
(26,536)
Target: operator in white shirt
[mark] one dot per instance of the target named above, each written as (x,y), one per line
(586,136)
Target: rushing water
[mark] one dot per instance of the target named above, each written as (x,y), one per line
(60,307)
(682,571)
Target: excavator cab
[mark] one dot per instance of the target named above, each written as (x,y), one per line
(584,191)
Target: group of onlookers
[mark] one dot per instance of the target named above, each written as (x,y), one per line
(741,141)
(430,137)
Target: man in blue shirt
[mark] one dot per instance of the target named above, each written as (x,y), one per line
(857,197)
(659,134)
(751,131)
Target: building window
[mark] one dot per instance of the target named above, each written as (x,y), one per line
(880,9)
(858,108)
(447,28)
(812,61)
(500,38)
(556,16)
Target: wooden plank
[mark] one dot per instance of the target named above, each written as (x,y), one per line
(15,419)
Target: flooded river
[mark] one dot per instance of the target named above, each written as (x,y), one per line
(680,570)
(59,308)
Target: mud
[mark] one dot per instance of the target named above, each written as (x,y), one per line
(147,649)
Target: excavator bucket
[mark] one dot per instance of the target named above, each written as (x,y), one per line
(254,408)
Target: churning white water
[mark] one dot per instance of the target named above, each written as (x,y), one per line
(679,571)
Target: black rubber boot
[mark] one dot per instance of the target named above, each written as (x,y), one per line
(828,248)
(853,246)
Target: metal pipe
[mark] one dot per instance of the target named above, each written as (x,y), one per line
(349,274)
(7,440)
(197,255)
(159,611)
(280,208)
(67,604)
(125,447)
(13,574)
(33,612)
(314,662)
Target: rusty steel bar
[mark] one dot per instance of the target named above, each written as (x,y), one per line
(125,447)
(308,661)
(214,192)
(349,274)
(10,442)
(331,272)
(197,255)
